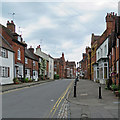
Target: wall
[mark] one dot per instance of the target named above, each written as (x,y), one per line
(102,55)
(8,62)
(51,68)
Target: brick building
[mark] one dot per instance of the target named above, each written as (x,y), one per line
(83,66)
(18,45)
(59,66)
(31,64)
(70,71)
(114,53)
(94,45)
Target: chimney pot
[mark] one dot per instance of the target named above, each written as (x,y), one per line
(11,21)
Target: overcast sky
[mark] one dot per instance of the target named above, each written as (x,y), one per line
(59,26)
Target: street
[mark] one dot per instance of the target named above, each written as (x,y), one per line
(40,101)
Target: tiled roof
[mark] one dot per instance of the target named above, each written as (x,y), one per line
(12,35)
(30,55)
(4,44)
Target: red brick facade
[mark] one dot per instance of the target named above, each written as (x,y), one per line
(12,37)
(59,66)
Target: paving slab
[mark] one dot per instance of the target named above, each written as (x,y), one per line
(88,104)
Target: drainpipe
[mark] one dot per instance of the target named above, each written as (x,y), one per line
(119,61)
(90,64)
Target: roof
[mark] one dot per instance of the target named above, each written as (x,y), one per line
(4,44)
(12,35)
(71,63)
(30,55)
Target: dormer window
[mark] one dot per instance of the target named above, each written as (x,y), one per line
(19,38)
(33,63)
(18,55)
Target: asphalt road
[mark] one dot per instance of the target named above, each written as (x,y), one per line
(41,101)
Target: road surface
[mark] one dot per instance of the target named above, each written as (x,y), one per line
(40,101)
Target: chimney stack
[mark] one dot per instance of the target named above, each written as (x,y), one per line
(62,55)
(110,20)
(11,26)
(31,49)
(38,48)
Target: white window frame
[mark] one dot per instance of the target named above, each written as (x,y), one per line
(19,54)
(4,72)
(33,63)
(3,53)
(105,50)
(26,60)
(117,66)
(117,42)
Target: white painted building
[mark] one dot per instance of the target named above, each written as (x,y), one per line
(51,68)
(48,61)
(101,68)
(6,62)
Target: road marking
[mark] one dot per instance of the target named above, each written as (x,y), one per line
(52,100)
(2,93)
(55,107)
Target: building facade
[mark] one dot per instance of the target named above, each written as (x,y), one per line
(6,62)
(51,68)
(70,71)
(31,64)
(59,66)
(18,45)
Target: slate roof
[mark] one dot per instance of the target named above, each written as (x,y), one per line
(12,35)
(4,44)
(30,55)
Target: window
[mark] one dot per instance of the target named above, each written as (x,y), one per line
(101,52)
(4,71)
(4,52)
(105,50)
(25,71)
(33,63)
(80,65)
(98,55)
(117,42)
(18,57)
(117,66)
(26,61)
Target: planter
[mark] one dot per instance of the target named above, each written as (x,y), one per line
(117,94)
(16,83)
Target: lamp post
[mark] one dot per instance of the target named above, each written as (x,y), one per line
(77,70)
(90,63)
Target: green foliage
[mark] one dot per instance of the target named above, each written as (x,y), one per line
(56,76)
(41,77)
(114,87)
(15,80)
(26,80)
(97,81)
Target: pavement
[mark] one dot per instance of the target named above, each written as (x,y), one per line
(16,86)
(87,103)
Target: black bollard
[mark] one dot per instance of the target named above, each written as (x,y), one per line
(100,96)
(74,90)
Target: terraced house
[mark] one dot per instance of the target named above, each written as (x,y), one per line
(114,53)
(18,45)
(6,62)
(31,64)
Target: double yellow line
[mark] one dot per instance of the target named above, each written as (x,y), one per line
(55,107)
